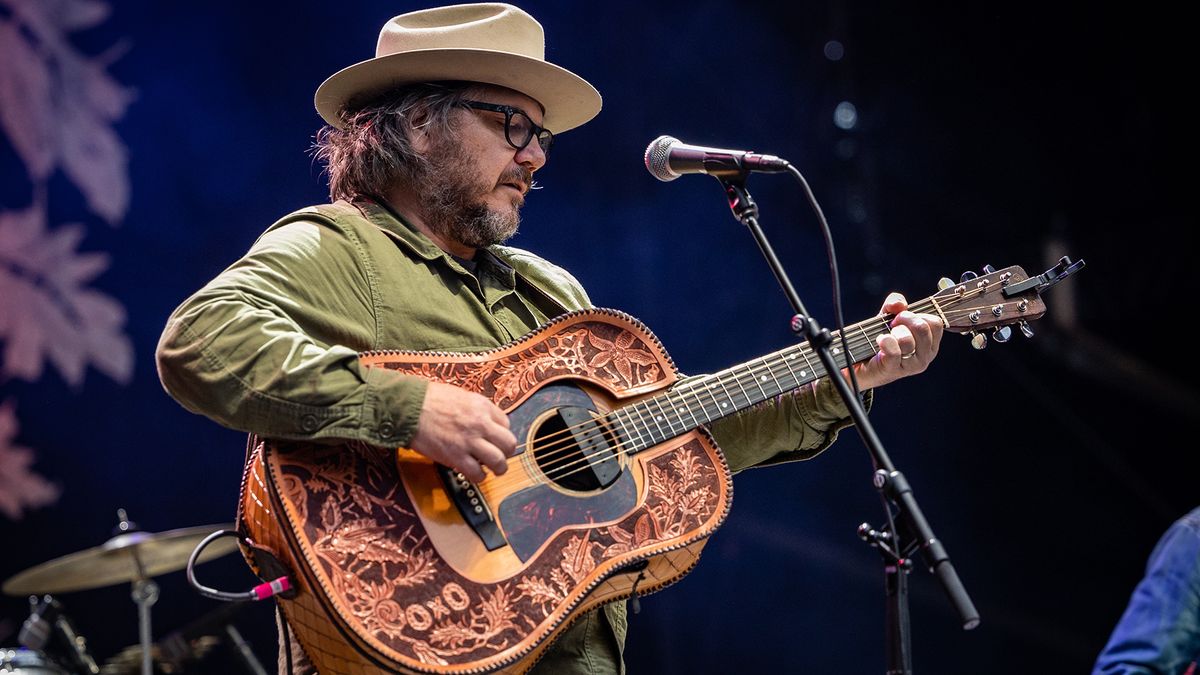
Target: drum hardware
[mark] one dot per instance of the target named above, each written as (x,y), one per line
(130,555)
(49,630)
(184,650)
(23,661)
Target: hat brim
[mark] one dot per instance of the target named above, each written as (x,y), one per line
(568,100)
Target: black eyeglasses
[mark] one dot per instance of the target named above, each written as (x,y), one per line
(519,128)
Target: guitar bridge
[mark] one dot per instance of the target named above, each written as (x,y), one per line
(473,508)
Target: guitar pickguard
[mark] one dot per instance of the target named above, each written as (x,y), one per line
(530,516)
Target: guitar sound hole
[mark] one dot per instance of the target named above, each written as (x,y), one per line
(575,451)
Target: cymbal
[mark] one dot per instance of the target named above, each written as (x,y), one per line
(116,561)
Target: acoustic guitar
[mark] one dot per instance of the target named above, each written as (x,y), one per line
(402,565)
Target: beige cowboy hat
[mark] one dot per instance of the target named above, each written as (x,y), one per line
(492,42)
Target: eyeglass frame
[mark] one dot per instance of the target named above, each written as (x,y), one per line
(545,136)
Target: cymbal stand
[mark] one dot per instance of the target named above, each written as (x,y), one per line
(144,594)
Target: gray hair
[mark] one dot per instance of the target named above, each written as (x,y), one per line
(374,149)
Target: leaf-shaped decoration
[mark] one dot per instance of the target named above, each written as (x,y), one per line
(46,313)
(20,487)
(26,104)
(93,156)
(56,104)
(73,15)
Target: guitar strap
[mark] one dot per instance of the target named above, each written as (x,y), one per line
(549,306)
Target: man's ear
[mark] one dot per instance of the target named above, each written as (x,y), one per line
(419,138)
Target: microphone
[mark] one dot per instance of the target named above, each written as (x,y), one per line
(669,158)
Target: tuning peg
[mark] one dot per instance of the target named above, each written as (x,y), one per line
(944,283)
(978,340)
(967,276)
(1025,329)
(988,269)
(1002,334)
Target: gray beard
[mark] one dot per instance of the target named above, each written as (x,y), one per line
(451,203)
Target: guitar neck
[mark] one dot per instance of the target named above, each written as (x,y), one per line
(993,301)
(707,399)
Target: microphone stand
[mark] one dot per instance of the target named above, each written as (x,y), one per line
(914,531)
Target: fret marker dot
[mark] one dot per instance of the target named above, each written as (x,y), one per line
(804,373)
(724,405)
(763,378)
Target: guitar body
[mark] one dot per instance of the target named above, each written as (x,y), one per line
(397,569)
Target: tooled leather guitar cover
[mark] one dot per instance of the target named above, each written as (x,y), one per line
(373,592)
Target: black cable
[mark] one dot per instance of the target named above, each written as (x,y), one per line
(260,592)
(835,277)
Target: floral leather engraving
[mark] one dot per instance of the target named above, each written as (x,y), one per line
(365,546)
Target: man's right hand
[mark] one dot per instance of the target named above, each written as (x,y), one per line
(464,431)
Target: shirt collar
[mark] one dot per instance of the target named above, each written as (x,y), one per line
(389,220)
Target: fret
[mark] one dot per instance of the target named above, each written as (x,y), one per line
(870,342)
(816,372)
(835,350)
(791,372)
(729,396)
(662,435)
(663,416)
(758,384)
(745,394)
(771,371)
(680,400)
(696,395)
(617,416)
(722,400)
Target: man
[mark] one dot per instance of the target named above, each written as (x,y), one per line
(431,151)
(1159,632)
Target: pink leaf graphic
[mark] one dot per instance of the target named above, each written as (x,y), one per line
(95,159)
(56,104)
(26,107)
(73,15)
(20,488)
(47,314)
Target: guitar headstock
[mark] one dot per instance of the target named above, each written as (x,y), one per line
(997,300)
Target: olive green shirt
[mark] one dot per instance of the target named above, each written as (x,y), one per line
(271,345)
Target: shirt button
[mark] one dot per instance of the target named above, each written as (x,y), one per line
(309,422)
(387,429)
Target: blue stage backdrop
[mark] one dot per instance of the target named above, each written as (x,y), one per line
(144,146)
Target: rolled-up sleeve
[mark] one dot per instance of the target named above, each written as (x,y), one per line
(271,345)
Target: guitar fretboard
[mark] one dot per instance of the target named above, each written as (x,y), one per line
(706,399)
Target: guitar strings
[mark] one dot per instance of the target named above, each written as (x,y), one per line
(745,373)
(750,373)
(562,444)
(557,472)
(674,417)
(694,389)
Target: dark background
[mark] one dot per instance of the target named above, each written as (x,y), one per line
(1005,135)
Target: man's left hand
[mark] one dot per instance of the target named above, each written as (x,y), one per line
(906,350)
